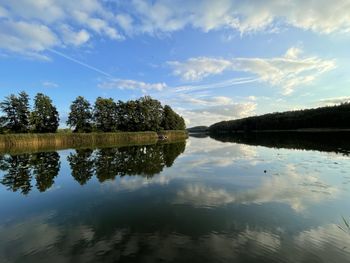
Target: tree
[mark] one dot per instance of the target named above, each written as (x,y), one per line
(105,115)
(151,113)
(17,112)
(80,116)
(44,117)
(171,120)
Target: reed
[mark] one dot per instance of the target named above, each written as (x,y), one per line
(32,142)
(175,134)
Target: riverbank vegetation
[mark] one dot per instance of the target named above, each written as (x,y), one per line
(29,142)
(106,115)
(331,117)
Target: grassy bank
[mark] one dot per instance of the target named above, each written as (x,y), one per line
(175,135)
(57,141)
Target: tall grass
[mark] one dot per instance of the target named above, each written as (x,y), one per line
(175,134)
(55,141)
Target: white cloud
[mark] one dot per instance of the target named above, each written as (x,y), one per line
(287,72)
(215,112)
(216,85)
(335,100)
(3,12)
(27,38)
(50,84)
(212,101)
(199,68)
(98,25)
(48,23)
(292,188)
(125,22)
(89,17)
(321,16)
(71,37)
(131,85)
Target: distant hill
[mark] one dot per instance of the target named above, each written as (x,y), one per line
(331,117)
(198,129)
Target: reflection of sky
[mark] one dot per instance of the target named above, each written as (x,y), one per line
(215,201)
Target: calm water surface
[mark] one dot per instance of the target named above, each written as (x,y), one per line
(206,200)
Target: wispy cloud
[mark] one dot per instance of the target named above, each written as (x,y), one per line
(334,100)
(132,85)
(165,16)
(31,27)
(49,84)
(288,72)
(215,85)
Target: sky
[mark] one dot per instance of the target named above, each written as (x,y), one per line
(209,60)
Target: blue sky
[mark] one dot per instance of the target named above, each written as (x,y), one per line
(209,60)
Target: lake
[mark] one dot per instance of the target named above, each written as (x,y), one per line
(267,198)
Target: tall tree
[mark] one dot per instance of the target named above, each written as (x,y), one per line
(16,110)
(172,120)
(151,114)
(80,116)
(44,117)
(105,115)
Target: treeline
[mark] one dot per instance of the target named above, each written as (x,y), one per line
(106,115)
(198,129)
(331,117)
(337,142)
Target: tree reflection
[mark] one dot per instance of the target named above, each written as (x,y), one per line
(82,165)
(146,160)
(19,171)
(17,174)
(106,165)
(337,142)
(46,166)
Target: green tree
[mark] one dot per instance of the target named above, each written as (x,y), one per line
(150,114)
(128,115)
(80,116)
(44,117)
(172,120)
(16,110)
(105,115)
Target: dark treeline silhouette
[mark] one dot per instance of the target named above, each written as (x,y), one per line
(331,117)
(337,142)
(106,115)
(21,172)
(198,129)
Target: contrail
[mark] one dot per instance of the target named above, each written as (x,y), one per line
(81,63)
(223,84)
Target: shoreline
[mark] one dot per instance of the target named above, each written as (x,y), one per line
(308,130)
(29,142)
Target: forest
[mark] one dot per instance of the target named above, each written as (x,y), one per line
(330,117)
(336,142)
(106,115)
